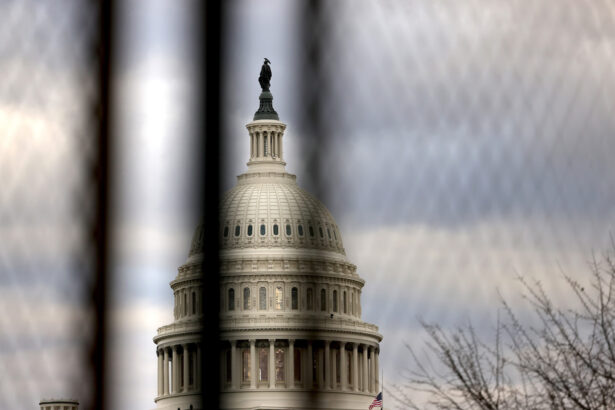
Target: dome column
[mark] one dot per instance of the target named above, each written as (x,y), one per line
(186,356)
(310,366)
(165,372)
(197,368)
(271,363)
(175,367)
(327,365)
(291,363)
(355,366)
(160,360)
(252,364)
(365,370)
(334,369)
(377,372)
(343,366)
(234,367)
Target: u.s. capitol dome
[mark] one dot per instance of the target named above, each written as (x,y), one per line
(290,316)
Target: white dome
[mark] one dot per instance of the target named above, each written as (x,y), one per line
(273,212)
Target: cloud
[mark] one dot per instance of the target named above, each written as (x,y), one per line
(133,353)
(454,276)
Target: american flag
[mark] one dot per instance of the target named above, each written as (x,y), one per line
(377,401)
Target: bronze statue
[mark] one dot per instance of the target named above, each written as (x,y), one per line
(265,78)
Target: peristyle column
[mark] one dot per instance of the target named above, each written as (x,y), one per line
(234,369)
(355,366)
(165,372)
(175,367)
(271,363)
(291,363)
(159,354)
(252,363)
(365,379)
(310,366)
(377,372)
(327,364)
(186,357)
(343,366)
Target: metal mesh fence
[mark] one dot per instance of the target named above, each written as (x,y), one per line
(457,144)
(49,97)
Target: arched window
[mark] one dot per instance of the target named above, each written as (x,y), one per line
(295,298)
(279,298)
(249,230)
(265,140)
(335,300)
(185,304)
(323,300)
(344,304)
(329,233)
(311,231)
(262,298)
(334,235)
(288,231)
(193,303)
(300,230)
(275,230)
(226,231)
(263,229)
(237,230)
(352,303)
(246,298)
(231,299)
(320,231)
(310,299)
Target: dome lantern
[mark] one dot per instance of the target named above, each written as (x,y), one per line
(266,131)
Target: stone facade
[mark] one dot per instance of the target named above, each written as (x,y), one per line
(59,404)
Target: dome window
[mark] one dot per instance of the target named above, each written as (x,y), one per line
(323,300)
(246,298)
(263,229)
(262,298)
(249,230)
(310,299)
(320,231)
(231,299)
(279,298)
(237,230)
(276,230)
(226,231)
(311,231)
(329,233)
(344,302)
(335,301)
(300,230)
(334,235)
(288,230)
(294,299)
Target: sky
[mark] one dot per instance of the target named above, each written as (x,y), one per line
(464,144)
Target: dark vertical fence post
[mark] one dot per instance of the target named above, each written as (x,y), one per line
(211,61)
(100,226)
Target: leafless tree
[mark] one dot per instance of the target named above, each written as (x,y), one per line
(565,360)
